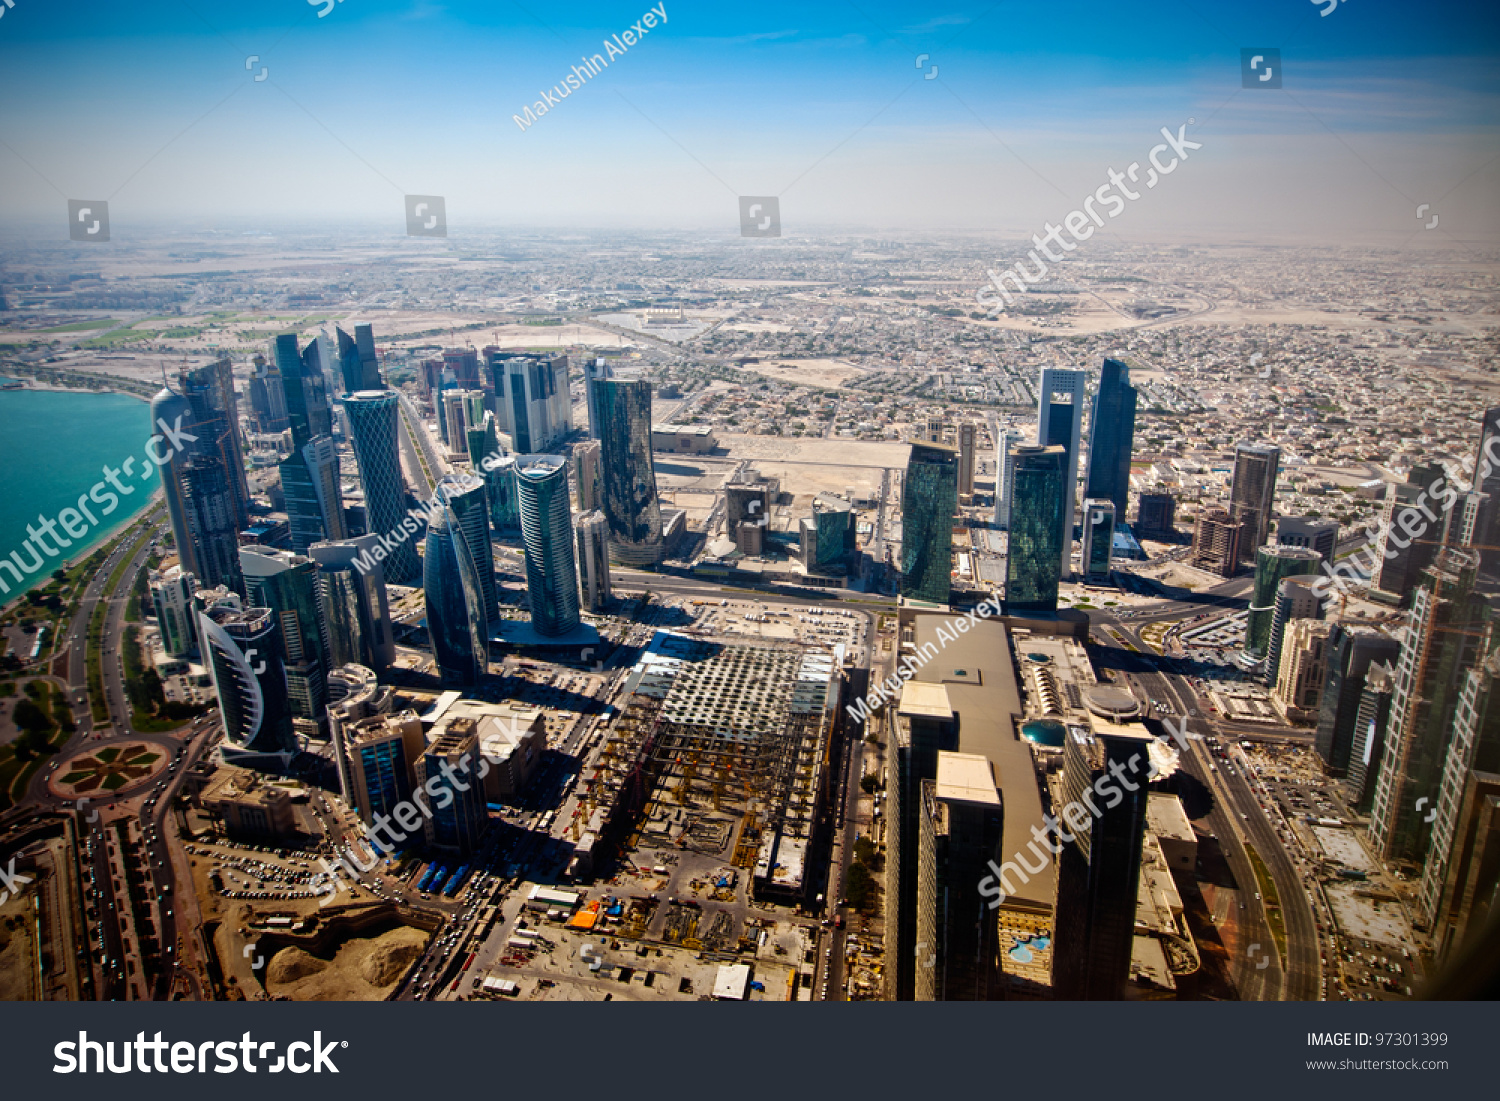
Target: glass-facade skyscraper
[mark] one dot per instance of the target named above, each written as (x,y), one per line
(1252,495)
(1273,565)
(374,421)
(627,472)
(1099,868)
(242,648)
(1098,537)
(287,584)
(547,534)
(204,481)
(468,499)
(929,502)
(456,619)
(1112,437)
(1039,486)
(591,534)
(1059,423)
(356,617)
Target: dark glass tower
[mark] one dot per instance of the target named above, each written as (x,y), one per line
(204,481)
(468,499)
(1038,501)
(1112,436)
(1487,481)
(547,533)
(456,619)
(627,472)
(287,584)
(1273,565)
(1099,868)
(1352,651)
(358,367)
(242,649)
(929,502)
(1060,397)
(1252,495)
(355,614)
(310,474)
(374,424)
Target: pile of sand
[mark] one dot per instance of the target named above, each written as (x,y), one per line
(292,965)
(363,969)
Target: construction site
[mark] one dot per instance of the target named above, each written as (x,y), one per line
(720,751)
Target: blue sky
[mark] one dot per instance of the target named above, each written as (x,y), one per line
(151,106)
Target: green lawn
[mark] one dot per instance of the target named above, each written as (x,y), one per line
(119,336)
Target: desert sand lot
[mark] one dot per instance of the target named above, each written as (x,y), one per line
(364,969)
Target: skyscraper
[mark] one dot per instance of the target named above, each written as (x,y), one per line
(1295,599)
(204,480)
(1112,436)
(1040,486)
(373,425)
(1473,753)
(1370,725)
(531,400)
(929,501)
(1401,557)
(242,649)
(1098,538)
(468,499)
(1099,866)
(547,534)
(382,752)
(311,485)
(1252,494)
(968,435)
(1060,395)
(1004,476)
(267,398)
(586,474)
(628,473)
(1486,525)
(1303,670)
(1301,531)
(355,614)
(310,474)
(1352,650)
(1440,646)
(456,619)
(172,594)
(1217,538)
(594,371)
(1273,565)
(1156,515)
(450,770)
(359,368)
(959,833)
(306,392)
(592,536)
(287,584)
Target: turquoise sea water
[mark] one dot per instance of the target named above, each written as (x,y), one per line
(54,447)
